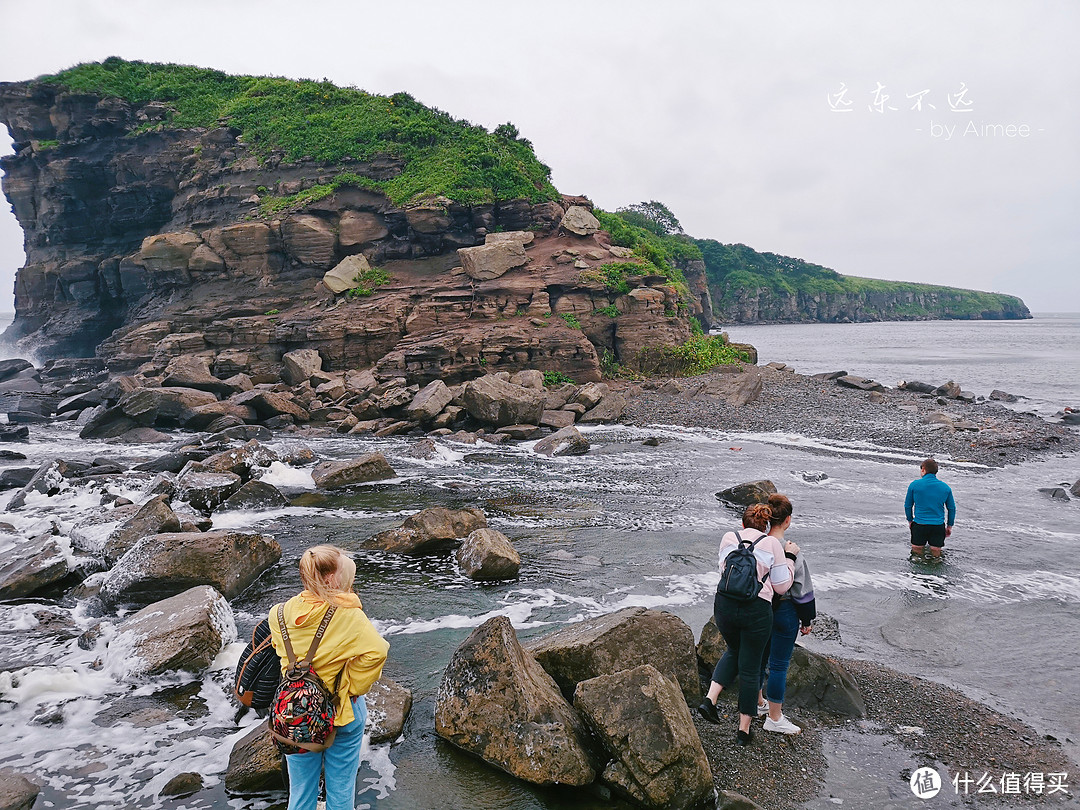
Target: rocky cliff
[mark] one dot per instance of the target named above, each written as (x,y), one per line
(146,239)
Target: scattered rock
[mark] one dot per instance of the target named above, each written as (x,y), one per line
(389,705)
(861,383)
(31,565)
(345,275)
(949,389)
(429,530)
(1002,396)
(817,682)
(644,723)
(300,364)
(622,640)
(335,474)
(190,372)
(10,433)
(495,402)
(163,565)
(428,402)
(1075,489)
(1054,493)
(183,632)
(565,442)
(183,784)
(255,766)
(557,419)
(918,387)
(747,494)
(206,491)
(256,495)
(489,261)
(488,555)
(16,791)
(580,221)
(155,516)
(496,702)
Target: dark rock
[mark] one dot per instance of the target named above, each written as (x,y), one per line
(711,644)
(334,474)
(1075,489)
(1072,418)
(731,800)
(520,432)
(154,517)
(622,640)
(827,376)
(565,442)
(243,433)
(16,477)
(183,784)
(183,632)
(9,368)
(47,480)
(1003,396)
(949,389)
(820,683)
(487,556)
(497,703)
(1054,493)
(255,766)
(32,565)
(644,723)
(242,461)
(9,433)
(173,462)
(16,791)
(11,455)
(918,387)
(389,705)
(652,441)
(105,423)
(163,565)
(206,491)
(747,494)
(861,383)
(812,477)
(429,530)
(256,495)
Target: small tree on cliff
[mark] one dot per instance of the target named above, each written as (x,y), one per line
(653,216)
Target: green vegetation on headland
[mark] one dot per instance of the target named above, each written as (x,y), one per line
(748,285)
(318,121)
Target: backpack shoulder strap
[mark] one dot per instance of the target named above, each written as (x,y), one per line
(310,657)
(283,627)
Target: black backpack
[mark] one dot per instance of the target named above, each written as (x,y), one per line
(739,579)
(258,671)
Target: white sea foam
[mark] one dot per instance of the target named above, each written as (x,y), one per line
(283,476)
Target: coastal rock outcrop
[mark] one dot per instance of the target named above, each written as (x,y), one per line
(497,702)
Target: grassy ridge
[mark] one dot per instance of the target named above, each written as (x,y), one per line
(736,269)
(309,120)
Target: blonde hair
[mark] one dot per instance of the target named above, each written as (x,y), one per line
(327,571)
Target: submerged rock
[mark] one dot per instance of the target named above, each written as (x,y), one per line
(496,702)
(644,723)
(747,494)
(622,640)
(565,442)
(163,565)
(183,632)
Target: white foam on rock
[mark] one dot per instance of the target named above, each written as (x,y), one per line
(283,476)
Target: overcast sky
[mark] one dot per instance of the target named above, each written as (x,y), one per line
(788,126)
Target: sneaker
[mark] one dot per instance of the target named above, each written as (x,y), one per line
(707,709)
(763,709)
(743,737)
(782,726)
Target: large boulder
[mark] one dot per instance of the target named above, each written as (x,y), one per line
(269,404)
(183,632)
(166,564)
(29,565)
(735,389)
(496,402)
(656,754)
(389,704)
(747,494)
(488,555)
(244,461)
(162,406)
(820,683)
(16,791)
(428,402)
(191,372)
(565,442)
(300,364)
(255,766)
(257,496)
(589,395)
(622,640)
(334,474)
(206,491)
(346,273)
(105,423)
(429,530)
(489,261)
(580,221)
(496,702)
(154,517)
(711,645)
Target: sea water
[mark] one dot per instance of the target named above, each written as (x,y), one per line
(625,525)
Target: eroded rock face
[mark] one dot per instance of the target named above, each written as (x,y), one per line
(183,632)
(622,640)
(162,565)
(496,702)
(656,754)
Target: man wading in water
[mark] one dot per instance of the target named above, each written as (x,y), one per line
(925,505)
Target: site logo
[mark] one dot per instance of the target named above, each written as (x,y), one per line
(925,783)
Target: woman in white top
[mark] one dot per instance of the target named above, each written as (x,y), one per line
(746,624)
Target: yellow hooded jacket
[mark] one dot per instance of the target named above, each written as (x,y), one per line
(350,645)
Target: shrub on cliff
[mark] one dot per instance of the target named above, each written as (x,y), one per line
(309,120)
(696,356)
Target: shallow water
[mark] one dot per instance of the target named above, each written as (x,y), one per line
(625,525)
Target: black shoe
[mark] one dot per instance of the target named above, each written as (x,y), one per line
(707,709)
(743,737)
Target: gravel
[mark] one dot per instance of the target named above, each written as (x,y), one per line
(985,433)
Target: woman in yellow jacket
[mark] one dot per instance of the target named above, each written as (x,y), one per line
(350,646)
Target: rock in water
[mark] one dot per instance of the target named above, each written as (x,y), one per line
(183,784)
(16,791)
(1075,489)
(206,491)
(429,530)
(255,765)
(183,632)
(334,474)
(154,517)
(163,565)
(32,565)
(657,758)
(621,640)
(1003,396)
(1054,493)
(565,442)
(496,702)
(256,495)
(747,494)
(488,555)
(389,705)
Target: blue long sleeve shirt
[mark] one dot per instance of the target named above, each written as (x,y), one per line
(927,500)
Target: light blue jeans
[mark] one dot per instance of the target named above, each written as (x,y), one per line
(340,761)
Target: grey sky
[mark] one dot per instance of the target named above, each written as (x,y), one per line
(720,110)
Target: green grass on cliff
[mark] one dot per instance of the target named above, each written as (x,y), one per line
(660,254)
(318,121)
(734,269)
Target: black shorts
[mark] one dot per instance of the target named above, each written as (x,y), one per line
(932,533)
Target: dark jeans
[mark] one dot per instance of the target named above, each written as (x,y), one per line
(785,629)
(746,627)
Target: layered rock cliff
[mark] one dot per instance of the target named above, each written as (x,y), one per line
(145,241)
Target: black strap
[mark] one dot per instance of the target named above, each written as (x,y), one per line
(738,535)
(309,659)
